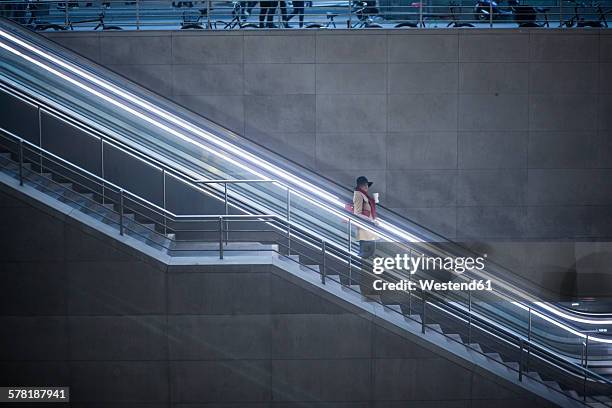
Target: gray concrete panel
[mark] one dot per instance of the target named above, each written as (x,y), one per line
(227,381)
(442,220)
(563,47)
(218,49)
(564,77)
(353,78)
(408,379)
(287,113)
(210,79)
(351,113)
(279,79)
(494,222)
(563,112)
(131,49)
(559,149)
(119,381)
(104,288)
(209,293)
(423,48)
(422,112)
(321,380)
(118,338)
(421,188)
(486,47)
(279,48)
(500,112)
(491,187)
(351,48)
(493,77)
(367,151)
(490,150)
(224,337)
(34,338)
(320,336)
(431,78)
(32,288)
(422,150)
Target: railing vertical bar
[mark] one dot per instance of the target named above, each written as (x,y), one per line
(226,209)
(121,212)
(424,315)
(208,23)
(520,373)
(490,14)
(469,316)
(529,339)
(165,204)
(288,217)
(350,258)
(323,265)
(40,139)
(220,237)
(20,154)
(137,14)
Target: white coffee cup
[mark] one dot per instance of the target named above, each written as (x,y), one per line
(376,195)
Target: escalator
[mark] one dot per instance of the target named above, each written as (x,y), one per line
(166,165)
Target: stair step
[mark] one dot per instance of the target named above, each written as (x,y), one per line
(396,308)
(494,356)
(554,385)
(476,347)
(573,394)
(534,375)
(416,317)
(435,327)
(455,337)
(512,365)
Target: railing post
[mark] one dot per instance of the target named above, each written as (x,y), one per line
(424,315)
(137,14)
(226,212)
(350,258)
(520,359)
(560,13)
(469,317)
(528,338)
(288,217)
(208,23)
(164,198)
(323,265)
(20,154)
(490,14)
(586,366)
(220,237)
(121,212)
(349,22)
(421,22)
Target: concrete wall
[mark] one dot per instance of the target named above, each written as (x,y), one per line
(121,330)
(488,134)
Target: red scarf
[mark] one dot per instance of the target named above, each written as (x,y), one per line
(372,205)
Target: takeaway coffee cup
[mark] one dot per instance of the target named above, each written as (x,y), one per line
(375,195)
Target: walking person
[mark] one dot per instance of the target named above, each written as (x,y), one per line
(298,10)
(266,13)
(364,205)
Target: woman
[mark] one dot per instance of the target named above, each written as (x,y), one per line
(364,206)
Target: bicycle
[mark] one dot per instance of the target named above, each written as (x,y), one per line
(70,25)
(580,22)
(239,16)
(193,21)
(364,10)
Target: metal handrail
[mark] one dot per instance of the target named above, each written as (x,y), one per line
(491,325)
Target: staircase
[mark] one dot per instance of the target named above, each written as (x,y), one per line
(516,360)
